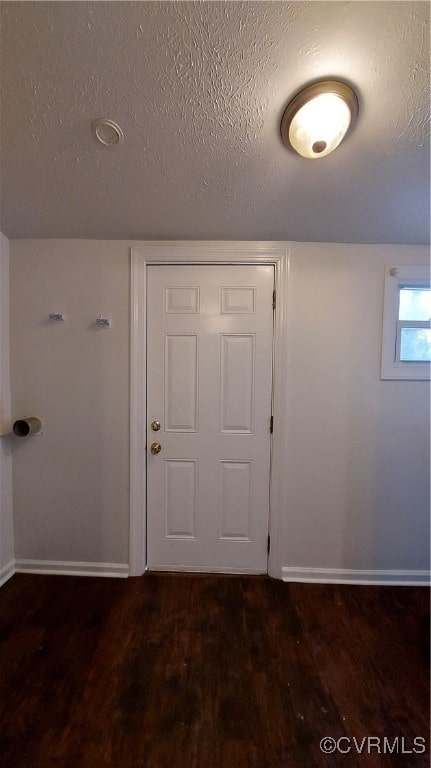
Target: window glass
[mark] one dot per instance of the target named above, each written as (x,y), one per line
(415,304)
(415,345)
(406,338)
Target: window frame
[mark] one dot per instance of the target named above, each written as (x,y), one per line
(391,365)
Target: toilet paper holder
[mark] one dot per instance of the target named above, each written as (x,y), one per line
(31,425)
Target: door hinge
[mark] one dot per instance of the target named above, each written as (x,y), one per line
(268,544)
(273,299)
(271,424)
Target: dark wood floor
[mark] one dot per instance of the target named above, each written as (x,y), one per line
(171,671)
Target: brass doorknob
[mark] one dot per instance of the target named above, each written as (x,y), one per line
(155,426)
(155,448)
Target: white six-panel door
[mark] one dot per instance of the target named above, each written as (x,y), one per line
(209,364)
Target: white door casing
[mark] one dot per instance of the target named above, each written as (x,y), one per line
(144,255)
(209,375)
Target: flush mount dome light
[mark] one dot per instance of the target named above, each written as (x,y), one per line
(108,132)
(318,117)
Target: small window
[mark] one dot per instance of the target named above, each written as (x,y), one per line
(406,344)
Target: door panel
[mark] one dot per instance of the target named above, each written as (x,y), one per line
(237,383)
(235,500)
(180,499)
(209,362)
(180,382)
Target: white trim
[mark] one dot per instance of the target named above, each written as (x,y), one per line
(138,377)
(7,572)
(72,568)
(209,252)
(198,569)
(204,252)
(278,480)
(351,576)
(391,367)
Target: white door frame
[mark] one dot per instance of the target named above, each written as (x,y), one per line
(206,252)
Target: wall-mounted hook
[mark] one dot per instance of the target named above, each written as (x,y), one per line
(57,316)
(103,321)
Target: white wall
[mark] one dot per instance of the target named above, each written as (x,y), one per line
(6,517)
(358,469)
(71,484)
(358,458)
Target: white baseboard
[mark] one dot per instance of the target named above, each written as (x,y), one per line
(72,568)
(351,576)
(7,572)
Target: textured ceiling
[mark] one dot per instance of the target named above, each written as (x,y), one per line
(199,90)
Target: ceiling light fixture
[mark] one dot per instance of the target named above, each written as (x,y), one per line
(317,119)
(108,132)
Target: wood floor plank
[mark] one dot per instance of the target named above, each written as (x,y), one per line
(191,671)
